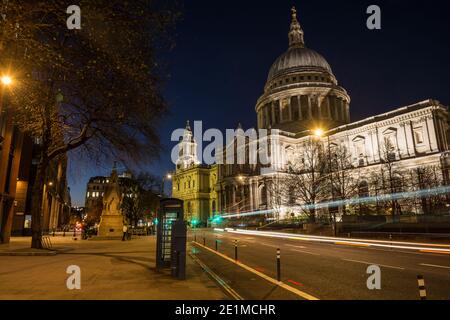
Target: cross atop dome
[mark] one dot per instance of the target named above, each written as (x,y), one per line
(296,33)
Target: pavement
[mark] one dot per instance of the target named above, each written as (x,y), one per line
(334,270)
(109,270)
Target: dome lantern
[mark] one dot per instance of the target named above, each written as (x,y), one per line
(296,39)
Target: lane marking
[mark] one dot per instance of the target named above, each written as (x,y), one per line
(292,246)
(376,264)
(218,279)
(302,251)
(262,275)
(435,251)
(434,265)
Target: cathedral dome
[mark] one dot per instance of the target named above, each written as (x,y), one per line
(298,59)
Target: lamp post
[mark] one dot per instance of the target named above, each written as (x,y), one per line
(6,81)
(319,133)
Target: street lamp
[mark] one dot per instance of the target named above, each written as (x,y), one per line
(6,80)
(319,133)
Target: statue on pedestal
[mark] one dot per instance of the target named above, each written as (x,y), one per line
(112,220)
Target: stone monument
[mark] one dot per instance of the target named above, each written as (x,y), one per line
(111,220)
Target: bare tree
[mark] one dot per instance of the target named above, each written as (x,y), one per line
(97,89)
(391,176)
(307,179)
(276,188)
(428,178)
(342,182)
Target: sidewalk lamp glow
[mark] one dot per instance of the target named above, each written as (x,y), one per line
(6,80)
(169,176)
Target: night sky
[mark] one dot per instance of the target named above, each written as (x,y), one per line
(224,50)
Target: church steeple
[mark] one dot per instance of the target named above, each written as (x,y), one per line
(187,150)
(296,33)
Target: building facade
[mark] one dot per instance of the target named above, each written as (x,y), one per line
(194,183)
(307,115)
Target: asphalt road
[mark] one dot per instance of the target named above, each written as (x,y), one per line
(327,271)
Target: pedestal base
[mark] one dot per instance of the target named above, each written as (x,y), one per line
(110,226)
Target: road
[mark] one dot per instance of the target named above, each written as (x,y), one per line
(330,271)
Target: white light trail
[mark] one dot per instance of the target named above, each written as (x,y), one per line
(430,247)
(338,203)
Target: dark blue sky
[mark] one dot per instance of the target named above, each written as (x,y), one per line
(224,50)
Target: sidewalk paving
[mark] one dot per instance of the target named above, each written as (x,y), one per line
(109,270)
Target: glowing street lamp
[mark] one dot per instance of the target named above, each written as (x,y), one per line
(6,80)
(319,133)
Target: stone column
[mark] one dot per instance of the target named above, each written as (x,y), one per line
(374,146)
(347,112)
(409,139)
(431,133)
(299,102)
(327,101)
(290,109)
(340,109)
(309,108)
(273,112)
(401,142)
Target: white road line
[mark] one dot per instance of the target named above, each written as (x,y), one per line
(434,265)
(311,253)
(292,246)
(376,264)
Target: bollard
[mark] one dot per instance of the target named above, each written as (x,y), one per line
(422,289)
(278,265)
(53,232)
(390,239)
(216,245)
(74,232)
(204,241)
(64,232)
(235,251)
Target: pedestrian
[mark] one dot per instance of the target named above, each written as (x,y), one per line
(124,229)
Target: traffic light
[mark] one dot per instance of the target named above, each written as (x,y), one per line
(194,222)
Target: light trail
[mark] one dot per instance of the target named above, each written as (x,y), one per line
(429,247)
(338,203)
